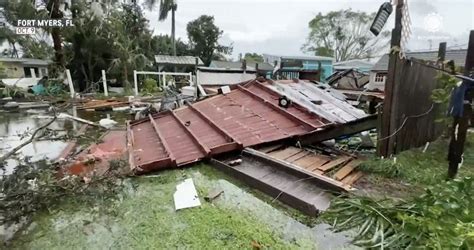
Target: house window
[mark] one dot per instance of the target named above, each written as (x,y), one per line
(28,72)
(44,72)
(379,77)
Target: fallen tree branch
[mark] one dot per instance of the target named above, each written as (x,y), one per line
(32,139)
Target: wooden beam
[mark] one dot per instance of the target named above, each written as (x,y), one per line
(349,128)
(389,108)
(323,181)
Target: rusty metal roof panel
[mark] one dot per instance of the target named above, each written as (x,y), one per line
(246,116)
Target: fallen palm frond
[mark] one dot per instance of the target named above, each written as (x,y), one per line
(442,218)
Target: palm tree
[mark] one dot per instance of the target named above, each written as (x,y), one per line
(165,7)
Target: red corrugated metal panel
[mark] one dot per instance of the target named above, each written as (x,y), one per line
(180,143)
(146,147)
(244,117)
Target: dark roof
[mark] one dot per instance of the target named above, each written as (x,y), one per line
(307,58)
(177,60)
(458,56)
(26,61)
(237,65)
(355,63)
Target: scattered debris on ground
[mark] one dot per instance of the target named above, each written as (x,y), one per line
(186,195)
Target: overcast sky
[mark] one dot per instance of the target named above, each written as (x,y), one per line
(281,27)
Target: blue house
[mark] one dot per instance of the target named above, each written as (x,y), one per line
(303,67)
(358,64)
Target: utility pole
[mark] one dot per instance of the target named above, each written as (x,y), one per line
(385,147)
(461,124)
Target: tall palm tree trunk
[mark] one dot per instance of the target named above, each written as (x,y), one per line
(55,13)
(173,31)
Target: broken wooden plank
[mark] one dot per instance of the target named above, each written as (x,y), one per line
(352,178)
(312,161)
(269,149)
(285,153)
(346,170)
(317,171)
(297,156)
(334,163)
(322,180)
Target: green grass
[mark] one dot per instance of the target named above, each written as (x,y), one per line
(418,168)
(143,217)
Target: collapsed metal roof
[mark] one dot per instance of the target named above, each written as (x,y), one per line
(247,116)
(320,99)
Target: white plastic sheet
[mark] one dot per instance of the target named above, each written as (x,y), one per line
(186,195)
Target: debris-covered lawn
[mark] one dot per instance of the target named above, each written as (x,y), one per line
(408,203)
(143,216)
(412,170)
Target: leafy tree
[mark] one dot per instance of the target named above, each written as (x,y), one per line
(27,9)
(167,6)
(203,37)
(116,42)
(344,35)
(34,48)
(253,57)
(163,45)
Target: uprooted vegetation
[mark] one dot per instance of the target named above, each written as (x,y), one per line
(34,187)
(421,167)
(407,202)
(441,218)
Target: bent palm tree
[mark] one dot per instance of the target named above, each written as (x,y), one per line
(165,7)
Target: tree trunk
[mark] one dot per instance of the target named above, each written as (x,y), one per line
(173,38)
(126,84)
(55,13)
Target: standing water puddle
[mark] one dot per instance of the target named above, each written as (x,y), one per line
(14,124)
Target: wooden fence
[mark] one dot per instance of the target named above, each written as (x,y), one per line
(410,119)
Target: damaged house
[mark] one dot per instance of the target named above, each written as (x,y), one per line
(378,74)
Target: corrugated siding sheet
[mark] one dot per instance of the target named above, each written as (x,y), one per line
(327,103)
(222,78)
(177,60)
